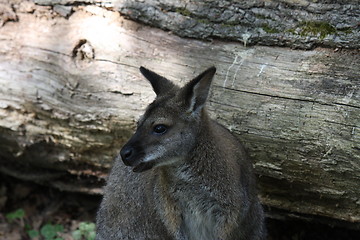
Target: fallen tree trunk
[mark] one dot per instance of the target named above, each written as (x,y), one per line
(70,93)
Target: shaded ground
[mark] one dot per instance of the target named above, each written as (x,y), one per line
(43,205)
(301,230)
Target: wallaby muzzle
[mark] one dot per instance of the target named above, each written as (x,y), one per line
(127,154)
(131,155)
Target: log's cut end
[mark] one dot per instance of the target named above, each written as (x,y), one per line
(71,92)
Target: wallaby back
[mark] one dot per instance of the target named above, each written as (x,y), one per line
(190,178)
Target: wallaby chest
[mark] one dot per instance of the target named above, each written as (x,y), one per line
(190,202)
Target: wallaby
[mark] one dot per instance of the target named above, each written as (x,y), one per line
(189,177)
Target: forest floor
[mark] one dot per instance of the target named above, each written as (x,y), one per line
(51,214)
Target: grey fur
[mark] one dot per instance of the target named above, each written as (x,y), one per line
(194,181)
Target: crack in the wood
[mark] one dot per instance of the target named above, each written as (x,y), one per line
(223,87)
(38,176)
(73,3)
(114,62)
(289,98)
(343,124)
(271,137)
(71,55)
(46,50)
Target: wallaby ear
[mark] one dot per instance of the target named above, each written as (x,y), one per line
(160,84)
(197,90)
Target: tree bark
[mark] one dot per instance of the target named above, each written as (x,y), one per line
(303,24)
(70,93)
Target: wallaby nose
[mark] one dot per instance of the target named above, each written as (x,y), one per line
(126,154)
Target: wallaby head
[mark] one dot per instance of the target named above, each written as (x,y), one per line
(167,132)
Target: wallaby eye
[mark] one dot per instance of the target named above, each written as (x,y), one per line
(160,129)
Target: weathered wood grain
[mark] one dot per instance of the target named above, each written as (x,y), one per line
(70,93)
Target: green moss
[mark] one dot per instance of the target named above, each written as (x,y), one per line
(317,28)
(291,30)
(346,30)
(320,29)
(269,29)
(260,16)
(203,20)
(183,11)
(187,13)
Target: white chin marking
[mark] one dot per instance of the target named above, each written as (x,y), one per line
(169,161)
(153,155)
(159,154)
